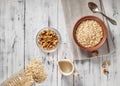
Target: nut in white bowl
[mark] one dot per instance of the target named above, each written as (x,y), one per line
(48,39)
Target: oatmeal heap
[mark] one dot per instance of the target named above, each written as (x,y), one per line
(89,33)
(105,65)
(36,69)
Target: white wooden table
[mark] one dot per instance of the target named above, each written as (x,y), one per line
(20,20)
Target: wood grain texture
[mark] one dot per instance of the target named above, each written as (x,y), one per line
(11,37)
(20,21)
(40,14)
(115,71)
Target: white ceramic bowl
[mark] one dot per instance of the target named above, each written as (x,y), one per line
(59,39)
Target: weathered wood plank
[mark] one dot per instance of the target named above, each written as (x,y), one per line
(112,9)
(36,17)
(53,57)
(40,14)
(65,51)
(11,36)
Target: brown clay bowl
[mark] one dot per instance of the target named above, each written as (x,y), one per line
(104,29)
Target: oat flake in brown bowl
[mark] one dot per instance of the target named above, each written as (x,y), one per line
(89,33)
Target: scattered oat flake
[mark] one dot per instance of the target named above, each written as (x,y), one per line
(95,53)
(76,74)
(105,71)
(103,64)
(36,69)
(108,63)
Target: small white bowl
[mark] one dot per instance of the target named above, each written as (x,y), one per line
(59,39)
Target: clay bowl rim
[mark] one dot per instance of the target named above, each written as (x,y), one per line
(104,28)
